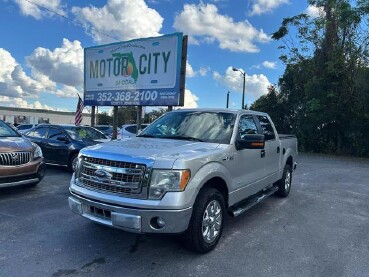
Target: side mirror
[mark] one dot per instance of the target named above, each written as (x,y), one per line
(64,139)
(254,141)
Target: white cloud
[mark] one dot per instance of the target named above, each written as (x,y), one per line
(203,23)
(58,72)
(266,6)
(35,11)
(67,91)
(123,19)
(204,71)
(190,100)
(265,64)
(189,70)
(270,65)
(21,103)
(62,65)
(14,81)
(314,11)
(256,85)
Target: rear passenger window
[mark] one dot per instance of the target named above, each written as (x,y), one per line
(246,126)
(267,127)
(38,132)
(24,127)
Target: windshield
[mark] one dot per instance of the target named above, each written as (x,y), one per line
(6,131)
(198,126)
(82,133)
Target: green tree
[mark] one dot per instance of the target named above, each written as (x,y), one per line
(324,60)
(154,114)
(104,119)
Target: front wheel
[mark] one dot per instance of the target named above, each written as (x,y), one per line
(284,184)
(206,223)
(73,163)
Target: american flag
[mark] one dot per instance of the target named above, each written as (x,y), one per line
(79,116)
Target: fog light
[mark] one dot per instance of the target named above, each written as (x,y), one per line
(157,223)
(161,222)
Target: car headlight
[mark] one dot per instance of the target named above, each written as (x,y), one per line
(167,180)
(77,171)
(38,151)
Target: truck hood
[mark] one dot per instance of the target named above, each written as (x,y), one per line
(161,153)
(12,144)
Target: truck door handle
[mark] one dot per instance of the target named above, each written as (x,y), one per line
(278,149)
(262,153)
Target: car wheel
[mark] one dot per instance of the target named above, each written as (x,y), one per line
(206,225)
(284,184)
(72,163)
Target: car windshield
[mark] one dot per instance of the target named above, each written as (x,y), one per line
(6,131)
(193,125)
(84,133)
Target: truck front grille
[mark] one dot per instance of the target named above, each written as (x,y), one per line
(109,176)
(14,158)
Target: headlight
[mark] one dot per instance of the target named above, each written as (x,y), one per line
(38,151)
(167,180)
(78,167)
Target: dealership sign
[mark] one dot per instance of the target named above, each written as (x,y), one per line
(143,72)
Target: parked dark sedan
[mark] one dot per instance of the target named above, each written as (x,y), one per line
(60,144)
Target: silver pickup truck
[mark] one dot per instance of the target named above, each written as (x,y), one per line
(183,173)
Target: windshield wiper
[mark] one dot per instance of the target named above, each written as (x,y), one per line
(182,138)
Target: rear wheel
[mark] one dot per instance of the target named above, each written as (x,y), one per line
(206,225)
(284,184)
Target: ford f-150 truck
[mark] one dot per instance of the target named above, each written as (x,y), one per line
(183,173)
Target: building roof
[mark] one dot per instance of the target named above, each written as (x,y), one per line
(38,111)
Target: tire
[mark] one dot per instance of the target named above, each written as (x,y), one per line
(284,184)
(206,224)
(72,162)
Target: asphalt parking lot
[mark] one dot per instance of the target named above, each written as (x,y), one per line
(321,229)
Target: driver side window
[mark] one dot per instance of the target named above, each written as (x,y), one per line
(246,126)
(55,133)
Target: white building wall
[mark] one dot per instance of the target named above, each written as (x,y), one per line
(14,115)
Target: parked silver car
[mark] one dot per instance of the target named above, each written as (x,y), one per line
(183,173)
(130,130)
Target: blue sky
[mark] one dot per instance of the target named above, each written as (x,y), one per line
(41,52)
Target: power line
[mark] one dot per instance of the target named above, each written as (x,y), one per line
(72,20)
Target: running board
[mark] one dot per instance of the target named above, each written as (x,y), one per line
(251,201)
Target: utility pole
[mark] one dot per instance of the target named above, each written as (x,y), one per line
(227,99)
(115,122)
(244,82)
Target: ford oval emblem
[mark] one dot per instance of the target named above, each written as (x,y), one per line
(102,174)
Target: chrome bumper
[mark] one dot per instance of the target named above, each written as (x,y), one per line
(130,219)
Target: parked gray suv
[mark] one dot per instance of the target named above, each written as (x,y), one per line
(21,161)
